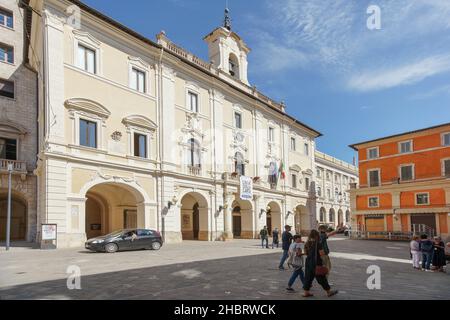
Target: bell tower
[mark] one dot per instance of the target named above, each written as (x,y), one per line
(228,51)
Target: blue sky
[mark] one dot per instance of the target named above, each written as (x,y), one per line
(349,82)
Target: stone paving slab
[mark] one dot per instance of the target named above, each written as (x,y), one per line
(224,271)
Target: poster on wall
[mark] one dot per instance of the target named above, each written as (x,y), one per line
(49,232)
(186,221)
(246,188)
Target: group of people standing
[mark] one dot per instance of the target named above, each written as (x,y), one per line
(430,252)
(308,260)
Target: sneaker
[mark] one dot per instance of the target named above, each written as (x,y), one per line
(281,268)
(428,270)
(290,289)
(332,293)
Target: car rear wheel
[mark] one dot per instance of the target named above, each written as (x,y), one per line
(111,248)
(156,245)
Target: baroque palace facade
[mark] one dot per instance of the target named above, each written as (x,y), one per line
(141,134)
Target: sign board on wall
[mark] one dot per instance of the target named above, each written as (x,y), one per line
(49,231)
(246,188)
(186,222)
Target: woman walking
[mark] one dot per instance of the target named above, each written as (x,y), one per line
(414,246)
(314,266)
(438,260)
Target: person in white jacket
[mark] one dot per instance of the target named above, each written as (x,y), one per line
(415,252)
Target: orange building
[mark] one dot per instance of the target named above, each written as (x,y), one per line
(404,184)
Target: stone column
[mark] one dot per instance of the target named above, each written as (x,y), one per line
(228,217)
(168,134)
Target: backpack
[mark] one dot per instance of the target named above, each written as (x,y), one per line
(294,260)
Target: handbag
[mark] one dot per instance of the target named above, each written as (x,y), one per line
(320,270)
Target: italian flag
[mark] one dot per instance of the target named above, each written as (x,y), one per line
(282,172)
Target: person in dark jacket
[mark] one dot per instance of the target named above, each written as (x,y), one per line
(314,251)
(438,259)
(275,238)
(286,239)
(426,247)
(264,234)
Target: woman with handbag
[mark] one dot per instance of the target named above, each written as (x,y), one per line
(314,267)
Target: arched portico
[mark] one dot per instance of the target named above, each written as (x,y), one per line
(347,216)
(111,206)
(107,204)
(194,217)
(274,218)
(340,221)
(332,216)
(322,215)
(19,216)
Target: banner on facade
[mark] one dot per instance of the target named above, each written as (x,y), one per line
(49,232)
(246,188)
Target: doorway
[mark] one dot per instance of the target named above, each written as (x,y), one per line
(237,222)
(269,223)
(196,221)
(130,219)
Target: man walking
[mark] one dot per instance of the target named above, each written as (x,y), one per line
(264,234)
(426,247)
(286,239)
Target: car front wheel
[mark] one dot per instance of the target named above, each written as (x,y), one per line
(156,245)
(111,248)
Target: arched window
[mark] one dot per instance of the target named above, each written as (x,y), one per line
(347,216)
(239,163)
(331,217)
(322,215)
(233,65)
(194,159)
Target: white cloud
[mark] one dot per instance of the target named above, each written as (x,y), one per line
(441,90)
(333,38)
(401,75)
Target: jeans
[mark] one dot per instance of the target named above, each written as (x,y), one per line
(283,258)
(426,260)
(275,243)
(262,242)
(415,259)
(298,273)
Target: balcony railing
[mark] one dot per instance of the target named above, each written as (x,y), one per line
(194,170)
(17,166)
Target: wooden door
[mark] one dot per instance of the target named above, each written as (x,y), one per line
(237,225)
(375,224)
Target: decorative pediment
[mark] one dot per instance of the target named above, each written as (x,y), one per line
(12,128)
(295,168)
(192,85)
(139,121)
(86,37)
(139,62)
(237,107)
(87,106)
(308,172)
(193,125)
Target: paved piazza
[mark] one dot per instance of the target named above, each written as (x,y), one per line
(234,270)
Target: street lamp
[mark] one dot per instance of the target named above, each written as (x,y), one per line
(261,213)
(8,218)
